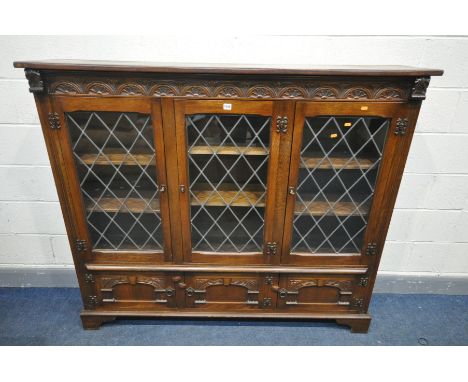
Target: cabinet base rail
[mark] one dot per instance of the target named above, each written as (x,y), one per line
(358,323)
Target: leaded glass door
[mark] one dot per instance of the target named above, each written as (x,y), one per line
(115,149)
(337,154)
(227,152)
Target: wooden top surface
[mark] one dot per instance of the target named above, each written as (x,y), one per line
(155,67)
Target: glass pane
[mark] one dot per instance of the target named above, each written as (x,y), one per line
(228,162)
(340,158)
(115,157)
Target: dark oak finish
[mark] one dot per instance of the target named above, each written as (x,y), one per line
(214,191)
(155,67)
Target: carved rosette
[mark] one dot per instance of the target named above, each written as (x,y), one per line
(357,94)
(163,91)
(261,92)
(322,89)
(389,94)
(293,92)
(228,91)
(131,90)
(325,93)
(99,88)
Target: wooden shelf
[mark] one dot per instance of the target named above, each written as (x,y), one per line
(118,158)
(136,205)
(337,163)
(319,208)
(228,150)
(248,198)
(223,197)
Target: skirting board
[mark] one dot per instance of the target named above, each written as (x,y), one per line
(64,277)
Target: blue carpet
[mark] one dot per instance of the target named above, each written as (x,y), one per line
(50,316)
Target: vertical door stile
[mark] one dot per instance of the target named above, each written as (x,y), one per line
(388,182)
(77,207)
(47,105)
(182,184)
(296,139)
(172,176)
(282,132)
(161,176)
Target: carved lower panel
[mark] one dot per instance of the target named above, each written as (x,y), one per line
(315,293)
(223,289)
(201,87)
(131,289)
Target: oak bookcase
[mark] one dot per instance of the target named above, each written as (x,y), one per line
(210,191)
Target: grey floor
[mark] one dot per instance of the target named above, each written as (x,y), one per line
(50,316)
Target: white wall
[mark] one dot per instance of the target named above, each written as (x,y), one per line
(429,230)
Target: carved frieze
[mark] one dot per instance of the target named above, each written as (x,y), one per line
(199,87)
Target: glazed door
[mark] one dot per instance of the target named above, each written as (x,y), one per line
(228,155)
(341,158)
(113,152)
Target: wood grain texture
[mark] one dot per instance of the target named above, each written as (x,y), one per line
(336,163)
(136,205)
(227,150)
(131,267)
(116,158)
(155,67)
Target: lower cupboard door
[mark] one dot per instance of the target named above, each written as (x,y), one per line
(311,293)
(226,291)
(143,291)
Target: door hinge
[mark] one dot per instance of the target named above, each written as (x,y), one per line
(270,248)
(291,191)
(401,126)
(266,302)
(363,281)
(54,121)
(371,249)
(282,124)
(80,245)
(92,301)
(358,303)
(190,291)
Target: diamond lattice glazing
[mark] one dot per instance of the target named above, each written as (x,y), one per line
(115,156)
(340,157)
(228,159)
